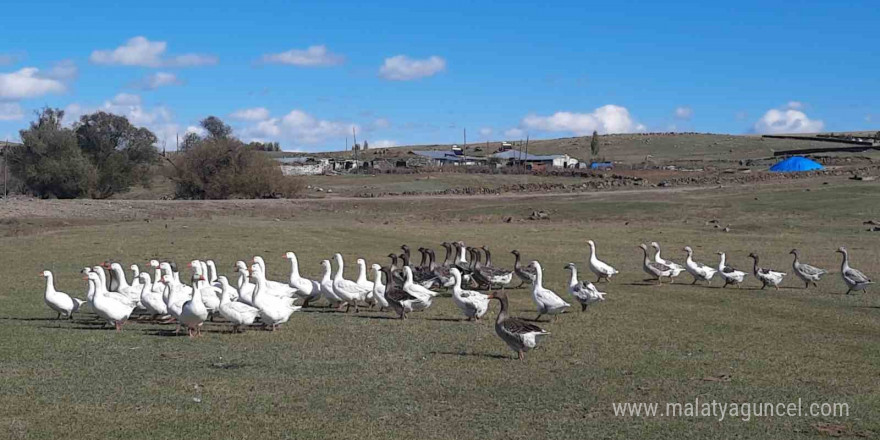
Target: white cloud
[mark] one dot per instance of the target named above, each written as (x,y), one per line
(685,113)
(299,127)
(313,56)
(251,114)
(197,130)
(486,132)
(124,99)
(10,111)
(605,119)
(381,123)
(787,121)
(383,143)
(139,51)
(63,70)
(27,83)
(514,133)
(403,68)
(159,79)
(794,105)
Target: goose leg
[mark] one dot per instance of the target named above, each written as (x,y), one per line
(520,353)
(539,317)
(583,307)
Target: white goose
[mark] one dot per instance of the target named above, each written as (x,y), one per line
(193,313)
(700,272)
(378,287)
(584,292)
(121,283)
(598,267)
(676,268)
(363,282)
(60,302)
(347,290)
(854,279)
(111,310)
(245,287)
(135,275)
(309,290)
(548,302)
(423,297)
(276,288)
(158,287)
(472,303)
(100,286)
(237,313)
(206,291)
(327,285)
(151,300)
(729,274)
(174,297)
(767,277)
(274,311)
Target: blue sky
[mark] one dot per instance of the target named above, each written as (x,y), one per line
(305,73)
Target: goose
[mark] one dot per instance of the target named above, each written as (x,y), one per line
(809,274)
(728,273)
(237,313)
(274,311)
(766,276)
(100,286)
(170,269)
(245,286)
(472,303)
(424,294)
(364,282)
(135,274)
(598,267)
(174,297)
(548,302)
(854,279)
(60,302)
(151,300)
(348,291)
(212,275)
(275,288)
(208,296)
(113,283)
(307,289)
(496,275)
(519,335)
(700,272)
(655,270)
(158,287)
(327,285)
(90,290)
(109,309)
(526,274)
(121,284)
(676,268)
(401,301)
(379,288)
(584,292)
(193,313)
(476,269)
(442,271)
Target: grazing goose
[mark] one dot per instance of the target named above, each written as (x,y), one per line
(194,314)
(809,274)
(308,290)
(60,302)
(472,303)
(274,311)
(728,273)
(237,313)
(676,268)
(548,302)
(379,288)
(111,310)
(399,300)
(854,279)
(598,267)
(526,274)
(519,335)
(151,300)
(348,291)
(583,291)
(767,277)
(700,272)
(655,270)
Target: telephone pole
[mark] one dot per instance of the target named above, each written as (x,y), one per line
(355,139)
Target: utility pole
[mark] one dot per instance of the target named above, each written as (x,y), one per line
(527,151)
(355,139)
(465,138)
(5,169)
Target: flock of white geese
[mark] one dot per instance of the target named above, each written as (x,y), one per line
(401,287)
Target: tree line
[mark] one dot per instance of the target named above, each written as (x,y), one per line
(103,154)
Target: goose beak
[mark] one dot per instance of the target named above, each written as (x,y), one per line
(492,296)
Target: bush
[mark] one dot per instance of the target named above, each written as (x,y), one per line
(222,168)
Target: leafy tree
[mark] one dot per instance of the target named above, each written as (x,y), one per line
(594,144)
(190,140)
(121,153)
(216,128)
(48,161)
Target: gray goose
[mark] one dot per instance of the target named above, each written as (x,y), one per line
(476,273)
(854,279)
(654,269)
(519,335)
(809,274)
(443,271)
(496,275)
(526,274)
(397,298)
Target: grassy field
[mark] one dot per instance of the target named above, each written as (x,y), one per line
(334,375)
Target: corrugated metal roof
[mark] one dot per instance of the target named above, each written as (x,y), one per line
(518,155)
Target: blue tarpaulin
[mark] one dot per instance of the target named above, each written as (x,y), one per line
(795,164)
